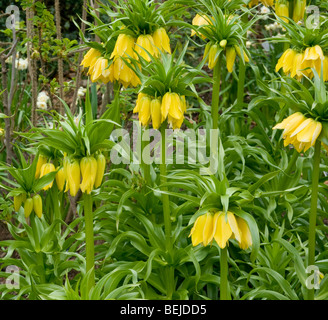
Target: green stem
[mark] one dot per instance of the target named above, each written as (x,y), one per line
(165,197)
(241,82)
(57,213)
(314,207)
(89,240)
(224,284)
(145,166)
(216,93)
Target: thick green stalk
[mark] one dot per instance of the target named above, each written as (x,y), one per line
(89,240)
(241,81)
(216,93)
(56,208)
(165,197)
(314,207)
(224,284)
(145,166)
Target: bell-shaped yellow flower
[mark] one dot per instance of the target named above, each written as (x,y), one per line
(45,169)
(101,166)
(220,227)
(41,161)
(155,111)
(199,21)
(144,46)
(88,167)
(213,56)
(230,58)
(90,58)
(144,110)
(60,178)
(282,10)
(300,131)
(161,41)
(73,177)
(123,47)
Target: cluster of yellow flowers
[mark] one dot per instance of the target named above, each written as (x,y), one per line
(211,50)
(126,47)
(299,64)
(30,204)
(211,54)
(171,106)
(69,175)
(282,10)
(268,3)
(221,227)
(300,131)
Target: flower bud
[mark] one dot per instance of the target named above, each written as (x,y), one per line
(101,165)
(223,43)
(28,207)
(18,200)
(37,205)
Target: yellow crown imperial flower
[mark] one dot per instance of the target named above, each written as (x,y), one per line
(300,131)
(143,107)
(299,64)
(155,111)
(145,42)
(45,169)
(161,41)
(88,166)
(200,20)
(60,178)
(101,165)
(230,57)
(37,205)
(102,71)
(213,56)
(173,108)
(28,207)
(282,10)
(41,161)
(220,227)
(223,43)
(73,177)
(90,58)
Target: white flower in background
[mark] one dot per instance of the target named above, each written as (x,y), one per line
(77,120)
(248,44)
(273,26)
(81,92)
(41,105)
(43,97)
(21,64)
(264,10)
(42,100)
(10,59)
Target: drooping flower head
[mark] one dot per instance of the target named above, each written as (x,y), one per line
(221,227)
(139,32)
(166,82)
(308,50)
(309,121)
(223,32)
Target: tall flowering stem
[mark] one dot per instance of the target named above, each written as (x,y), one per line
(314,207)
(216,93)
(89,239)
(165,197)
(224,284)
